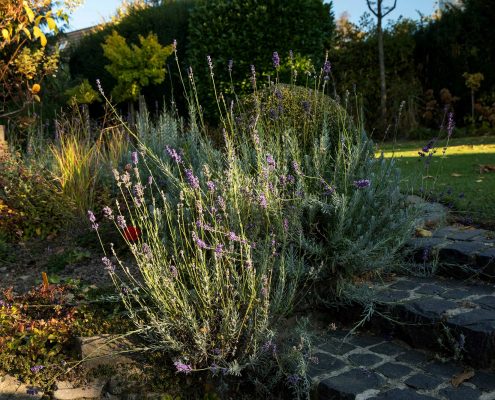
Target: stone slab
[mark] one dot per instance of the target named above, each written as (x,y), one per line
(349,384)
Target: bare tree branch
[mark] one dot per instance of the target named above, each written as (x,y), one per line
(370,6)
(390,9)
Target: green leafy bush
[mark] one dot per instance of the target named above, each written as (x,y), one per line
(168,21)
(248,32)
(33,205)
(35,333)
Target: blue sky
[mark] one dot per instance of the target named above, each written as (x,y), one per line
(93,11)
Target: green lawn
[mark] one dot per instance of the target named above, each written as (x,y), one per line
(453,178)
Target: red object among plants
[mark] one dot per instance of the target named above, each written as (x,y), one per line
(132,233)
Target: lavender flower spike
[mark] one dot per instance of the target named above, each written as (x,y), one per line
(192,179)
(362,183)
(182,368)
(108,264)
(134,157)
(276,60)
(92,219)
(37,368)
(450,125)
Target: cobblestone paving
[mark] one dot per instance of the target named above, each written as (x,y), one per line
(370,367)
(459,314)
(459,251)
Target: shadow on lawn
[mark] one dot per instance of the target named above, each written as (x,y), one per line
(460,181)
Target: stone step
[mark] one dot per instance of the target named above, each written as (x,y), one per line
(440,314)
(458,251)
(371,367)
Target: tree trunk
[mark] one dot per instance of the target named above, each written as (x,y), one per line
(381,60)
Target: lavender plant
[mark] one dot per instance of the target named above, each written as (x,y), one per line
(223,237)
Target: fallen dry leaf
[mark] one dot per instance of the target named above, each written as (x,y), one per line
(420,232)
(462,377)
(487,168)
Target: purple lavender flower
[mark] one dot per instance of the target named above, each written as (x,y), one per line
(173,271)
(174,45)
(233,237)
(270,161)
(426,254)
(200,243)
(150,180)
(37,368)
(327,67)
(327,189)
(221,203)
(107,212)
(32,391)
(362,183)
(173,154)
(134,157)
(210,63)
(92,219)
(276,60)
(214,369)
(450,125)
(295,167)
(286,224)
(219,250)
(249,264)
(263,202)
(182,368)
(108,264)
(192,179)
(211,186)
(278,94)
(429,146)
(293,379)
(230,65)
(121,223)
(291,56)
(139,190)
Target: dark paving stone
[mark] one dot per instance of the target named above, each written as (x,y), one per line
(364,360)
(366,341)
(430,289)
(349,384)
(487,302)
(423,382)
(391,296)
(431,245)
(483,380)
(486,260)
(412,357)
(461,393)
(337,347)
(393,370)
(460,252)
(479,320)
(402,394)
(443,232)
(388,348)
(326,364)
(447,370)
(455,294)
(429,308)
(405,285)
(458,234)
